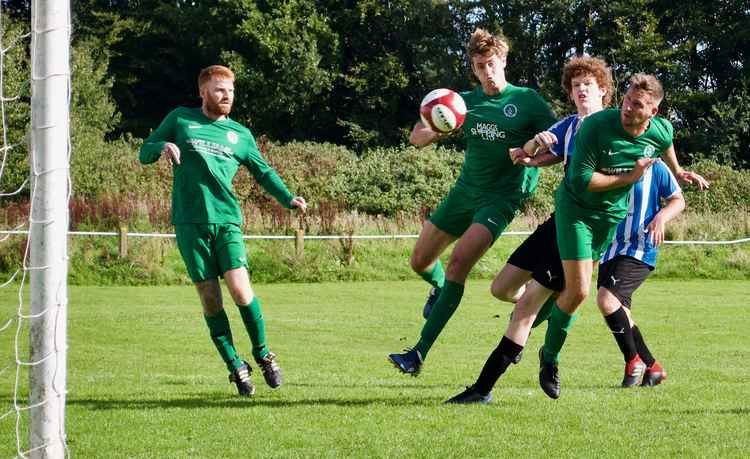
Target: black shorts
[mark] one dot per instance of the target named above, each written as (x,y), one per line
(622,275)
(539,254)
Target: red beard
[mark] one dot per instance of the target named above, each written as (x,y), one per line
(218,109)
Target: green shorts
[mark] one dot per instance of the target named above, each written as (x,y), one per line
(210,249)
(581,237)
(463,207)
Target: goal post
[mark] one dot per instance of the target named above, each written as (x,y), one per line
(47,263)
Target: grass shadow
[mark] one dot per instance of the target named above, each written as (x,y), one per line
(391,385)
(205,401)
(735,411)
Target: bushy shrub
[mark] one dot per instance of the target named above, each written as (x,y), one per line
(110,186)
(391,180)
(729,190)
(384,181)
(314,170)
(542,202)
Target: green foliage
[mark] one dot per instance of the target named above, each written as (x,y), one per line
(291,41)
(14,162)
(98,166)
(315,171)
(353,73)
(391,55)
(391,180)
(731,118)
(95,261)
(542,202)
(384,181)
(729,190)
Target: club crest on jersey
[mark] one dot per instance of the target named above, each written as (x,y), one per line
(510,111)
(649,151)
(232,137)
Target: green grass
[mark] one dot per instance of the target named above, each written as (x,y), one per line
(144,380)
(94,261)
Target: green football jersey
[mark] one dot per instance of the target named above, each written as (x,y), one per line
(602,145)
(211,152)
(493,125)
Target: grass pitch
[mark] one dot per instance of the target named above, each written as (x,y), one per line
(144,379)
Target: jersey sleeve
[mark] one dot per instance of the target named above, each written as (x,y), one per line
(265,175)
(544,117)
(585,160)
(559,129)
(668,134)
(666,182)
(153,145)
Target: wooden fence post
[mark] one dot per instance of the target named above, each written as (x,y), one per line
(299,243)
(123,240)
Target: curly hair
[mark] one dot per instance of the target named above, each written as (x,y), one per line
(484,43)
(218,71)
(586,65)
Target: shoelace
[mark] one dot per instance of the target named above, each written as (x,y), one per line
(242,375)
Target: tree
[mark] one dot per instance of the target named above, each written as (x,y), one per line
(14,157)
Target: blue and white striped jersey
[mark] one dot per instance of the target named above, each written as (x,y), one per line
(630,239)
(565,131)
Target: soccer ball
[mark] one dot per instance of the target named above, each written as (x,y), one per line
(443,110)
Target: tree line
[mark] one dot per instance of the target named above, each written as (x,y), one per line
(353,72)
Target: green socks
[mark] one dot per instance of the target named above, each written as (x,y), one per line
(544,312)
(252,317)
(559,325)
(435,276)
(221,335)
(441,313)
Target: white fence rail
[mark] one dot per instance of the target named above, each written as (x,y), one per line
(340,236)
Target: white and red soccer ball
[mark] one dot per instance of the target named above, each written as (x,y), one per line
(443,110)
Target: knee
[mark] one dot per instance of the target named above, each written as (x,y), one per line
(523,314)
(571,298)
(458,267)
(606,302)
(210,296)
(503,292)
(577,296)
(211,304)
(242,296)
(417,263)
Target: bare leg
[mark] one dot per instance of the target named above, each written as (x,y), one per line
(525,312)
(577,284)
(468,250)
(238,283)
(431,243)
(509,284)
(210,296)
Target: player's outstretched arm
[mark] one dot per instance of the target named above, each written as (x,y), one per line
(692,178)
(157,145)
(601,182)
(655,229)
(536,152)
(299,203)
(520,156)
(545,159)
(543,141)
(422,135)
